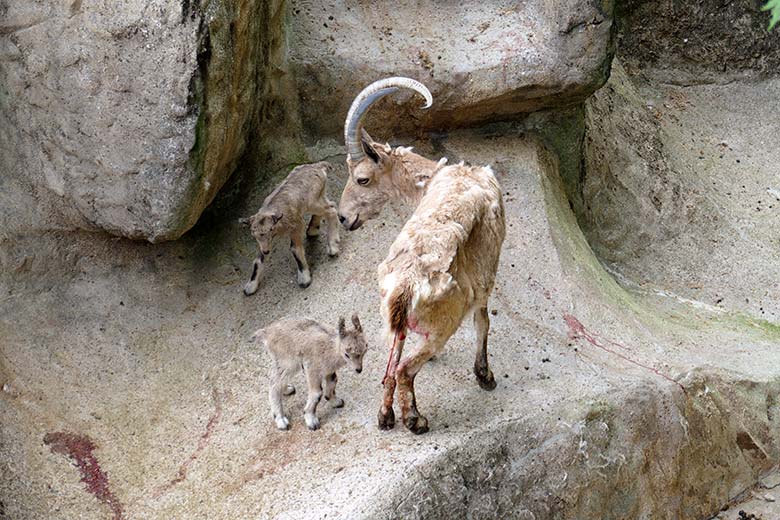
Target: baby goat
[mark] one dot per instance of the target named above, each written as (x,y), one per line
(317,349)
(442,266)
(283,213)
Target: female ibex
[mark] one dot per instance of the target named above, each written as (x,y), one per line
(442,265)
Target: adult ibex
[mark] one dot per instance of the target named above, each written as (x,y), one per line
(442,266)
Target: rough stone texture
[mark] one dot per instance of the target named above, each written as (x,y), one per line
(482,61)
(631,199)
(763,502)
(671,172)
(128,387)
(128,116)
(142,356)
(698,41)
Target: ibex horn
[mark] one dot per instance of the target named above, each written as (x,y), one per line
(365,99)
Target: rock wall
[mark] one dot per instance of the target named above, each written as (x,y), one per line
(129,118)
(126,117)
(482,61)
(631,198)
(694,42)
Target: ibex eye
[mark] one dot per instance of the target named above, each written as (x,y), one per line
(363,181)
(347,355)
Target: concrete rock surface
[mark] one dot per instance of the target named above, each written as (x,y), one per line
(129,118)
(126,117)
(611,403)
(482,61)
(698,42)
(634,331)
(676,178)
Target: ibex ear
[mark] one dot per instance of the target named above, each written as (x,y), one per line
(342,328)
(356,323)
(244,221)
(276,217)
(369,146)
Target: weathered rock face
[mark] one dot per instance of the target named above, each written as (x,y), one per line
(631,199)
(711,41)
(482,62)
(127,116)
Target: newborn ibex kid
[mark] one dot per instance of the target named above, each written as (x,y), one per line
(320,351)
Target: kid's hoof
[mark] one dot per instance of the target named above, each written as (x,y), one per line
(282,423)
(250,289)
(313,423)
(338,403)
(487,382)
(417,424)
(289,390)
(386,420)
(334,251)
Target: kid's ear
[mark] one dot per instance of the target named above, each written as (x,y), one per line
(276,217)
(356,323)
(244,221)
(342,328)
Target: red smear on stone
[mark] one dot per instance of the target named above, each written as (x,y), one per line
(80,449)
(546,292)
(281,449)
(202,443)
(577,330)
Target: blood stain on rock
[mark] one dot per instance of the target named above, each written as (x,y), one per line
(578,331)
(203,441)
(80,449)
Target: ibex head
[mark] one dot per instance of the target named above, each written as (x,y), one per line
(263,224)
(370,163)
(352,343)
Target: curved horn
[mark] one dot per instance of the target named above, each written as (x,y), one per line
(367,97)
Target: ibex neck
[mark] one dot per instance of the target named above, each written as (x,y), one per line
(412,177)
(336,359)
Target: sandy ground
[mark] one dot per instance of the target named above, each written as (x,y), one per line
(130,388)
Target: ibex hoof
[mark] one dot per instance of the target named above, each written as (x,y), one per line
(487,382)
(338,403)
(289,390)
(416,424)
(282,423)
(386,420)
(304,278)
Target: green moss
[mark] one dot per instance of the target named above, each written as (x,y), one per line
(563,132)
(763,329)
(574,251)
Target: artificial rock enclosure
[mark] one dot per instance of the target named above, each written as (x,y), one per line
(636,320)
